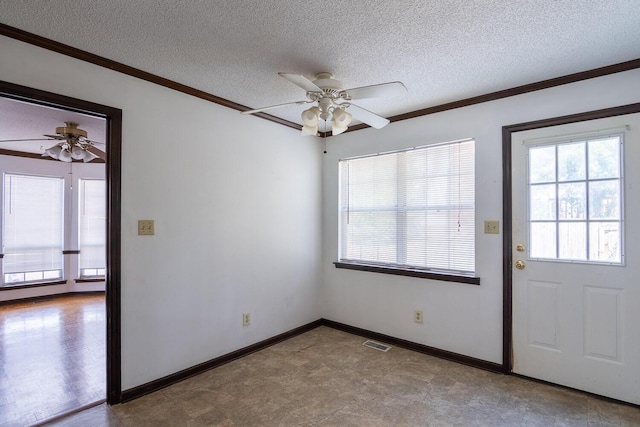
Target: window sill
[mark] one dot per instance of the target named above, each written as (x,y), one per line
(31,285)
(398,271)
(90,280)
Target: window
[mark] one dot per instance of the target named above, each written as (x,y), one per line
(411,209)
(92,228)
(575,200)
(32,229)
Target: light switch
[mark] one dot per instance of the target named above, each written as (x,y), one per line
(492,227)
(146,227)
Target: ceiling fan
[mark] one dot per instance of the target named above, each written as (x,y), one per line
(333,101)
(74,144)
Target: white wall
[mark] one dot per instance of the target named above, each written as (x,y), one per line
(236,204)
(240,209)
(464,319)
(12,164)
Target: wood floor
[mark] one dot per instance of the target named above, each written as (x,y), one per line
(52,357)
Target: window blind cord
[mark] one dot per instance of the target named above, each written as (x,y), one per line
(459,199)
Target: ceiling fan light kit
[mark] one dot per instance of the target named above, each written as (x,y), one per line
(64,154)
(332,103)
(74,145)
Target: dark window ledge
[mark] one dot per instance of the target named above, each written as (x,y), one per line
(399,271)
(31,285)
(90,280)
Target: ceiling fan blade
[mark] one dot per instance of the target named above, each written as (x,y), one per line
(96,152)
(20,140)
(88,141)
(301,81)
(373,91)
(258,110)
(367,117)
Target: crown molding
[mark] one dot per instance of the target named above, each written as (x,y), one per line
(52,45)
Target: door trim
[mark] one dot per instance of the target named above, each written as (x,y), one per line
(113,117)
(507,220)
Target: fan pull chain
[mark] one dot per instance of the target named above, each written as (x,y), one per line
(324,139)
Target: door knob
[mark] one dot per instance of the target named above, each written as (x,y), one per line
(520,264)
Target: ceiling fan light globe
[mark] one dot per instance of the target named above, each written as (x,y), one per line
(65,156)
(337,130)
(77,152)
(341,118)
(53,152)
(340,122)
(310,117)
(309,130)
(87,156)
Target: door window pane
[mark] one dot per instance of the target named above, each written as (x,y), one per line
(542,164)
(604,241)
(572,201)
(576,215)
(543,239)
(604,158)
(543,202)
(571,162)
(604,200)
(572,241)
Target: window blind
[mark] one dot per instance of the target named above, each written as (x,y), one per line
(92,227)
(33,228)
(412,208)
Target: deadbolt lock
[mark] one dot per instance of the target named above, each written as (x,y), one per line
(520,264)
(520,247)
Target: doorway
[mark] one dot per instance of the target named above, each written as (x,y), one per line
(569,294)
(113,139)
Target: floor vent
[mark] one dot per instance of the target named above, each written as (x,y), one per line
(376,345)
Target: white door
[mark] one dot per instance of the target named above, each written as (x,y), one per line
(576,255)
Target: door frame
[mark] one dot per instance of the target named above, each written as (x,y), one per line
(113,118)
(507,220)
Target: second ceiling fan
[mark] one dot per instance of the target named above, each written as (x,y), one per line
(333,101)
(73,144)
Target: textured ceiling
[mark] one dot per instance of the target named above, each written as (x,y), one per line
(441,50)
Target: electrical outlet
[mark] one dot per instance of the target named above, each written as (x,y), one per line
(492,227)
(246,319)
(417,316)
(146,227)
